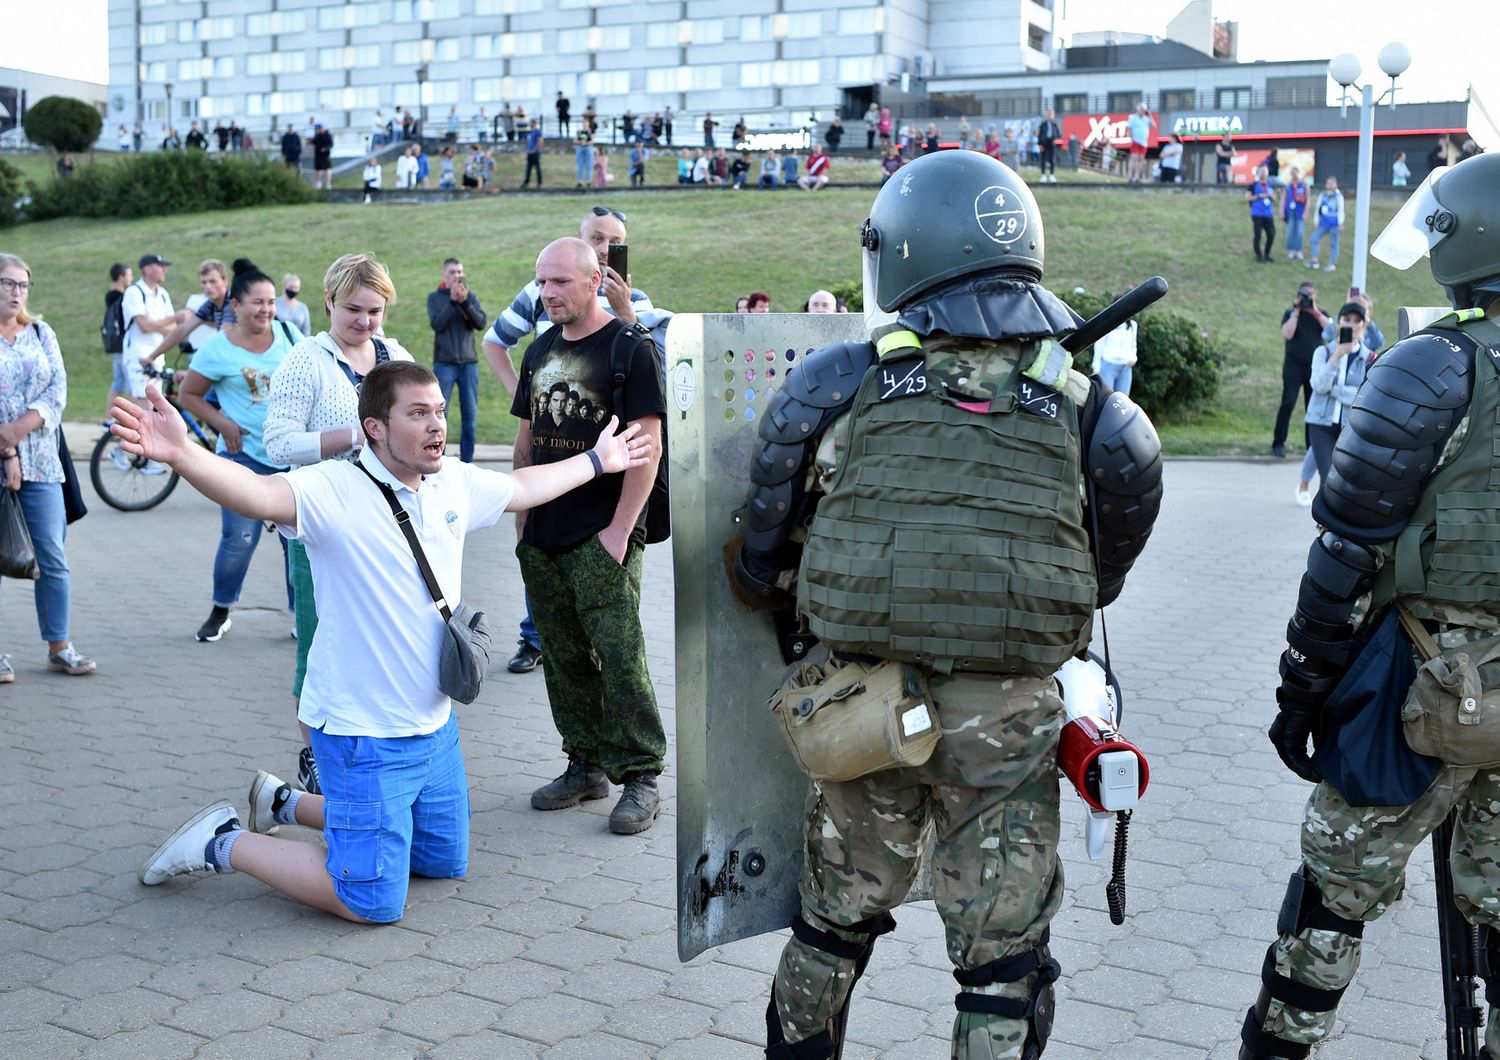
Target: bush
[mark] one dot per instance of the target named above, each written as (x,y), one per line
(62,124)
(151,185)
(851,293)
(10,192)
(1178,367)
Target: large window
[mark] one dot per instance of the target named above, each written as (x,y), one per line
(1296,91)
(153,73)
(781,72)
(755,27)
(857,70)
(423,10)
(345,16)
(505,89)
(276,22)
(260,63)
(363,97)
(506,7)
(801,25)
(1036,38)
(856,21)
(412,52)
(594,39)
(684,78)
(365,55)
(1070,103)
(273,104)
(153,33)
(666,35)
(1232,98)
(215,28)
(1122,101)
(606,82)
(1179,99)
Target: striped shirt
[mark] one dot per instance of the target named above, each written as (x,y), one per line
(527,313)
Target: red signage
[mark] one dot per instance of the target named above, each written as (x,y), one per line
(1093,130)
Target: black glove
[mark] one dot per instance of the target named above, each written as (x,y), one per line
(1290,732)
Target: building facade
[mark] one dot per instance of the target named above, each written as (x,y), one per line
(265,61)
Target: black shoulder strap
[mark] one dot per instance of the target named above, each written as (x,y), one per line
(382,351)
(286,332)
(621,353)
(403,520)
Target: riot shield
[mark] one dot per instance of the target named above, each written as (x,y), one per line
(741,800)
(1415,318)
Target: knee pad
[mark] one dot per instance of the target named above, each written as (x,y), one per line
(1038,1010)
(823,1045)
(1301,909)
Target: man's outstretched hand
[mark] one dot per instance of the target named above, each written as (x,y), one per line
(157,433)
(621,452)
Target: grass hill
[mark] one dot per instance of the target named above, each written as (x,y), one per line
(697,250)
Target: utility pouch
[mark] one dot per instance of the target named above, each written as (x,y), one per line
(845,719)
(1453,709)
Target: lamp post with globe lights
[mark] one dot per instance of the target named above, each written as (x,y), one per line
(1394,58)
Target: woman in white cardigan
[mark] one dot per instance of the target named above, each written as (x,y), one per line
(313,414)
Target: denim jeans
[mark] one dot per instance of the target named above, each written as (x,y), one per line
(1294,234)
(528,627)
(1317,240)
(42,505)
(467,378)
(238,536)
(585,158)
(1117,376)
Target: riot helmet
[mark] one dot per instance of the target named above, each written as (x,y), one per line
(1454,218)
(942,216)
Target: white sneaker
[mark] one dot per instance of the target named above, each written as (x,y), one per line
(182,853)
(120,458)
(1304,496)
(263,803)
(1329,268)
(153,467)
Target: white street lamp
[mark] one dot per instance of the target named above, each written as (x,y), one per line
(1345,69)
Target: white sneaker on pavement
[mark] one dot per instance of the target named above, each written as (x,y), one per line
(1304,496)
(263,803)
(182,853)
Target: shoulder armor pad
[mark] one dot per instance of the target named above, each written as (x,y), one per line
(1413,399)
(816,389)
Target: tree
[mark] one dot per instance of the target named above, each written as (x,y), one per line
(62,124)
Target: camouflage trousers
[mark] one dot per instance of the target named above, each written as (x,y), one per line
(990,793)
(587,608)
(1357,855)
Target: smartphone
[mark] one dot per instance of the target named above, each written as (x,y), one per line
(1346,335)
(1353,293)
(619,260)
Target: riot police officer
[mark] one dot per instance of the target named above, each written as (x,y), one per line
(922,500)
(1408,517)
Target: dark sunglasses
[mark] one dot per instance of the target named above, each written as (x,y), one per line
(605,211)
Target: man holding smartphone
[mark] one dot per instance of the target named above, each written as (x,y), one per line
(603,229)
(1302,330)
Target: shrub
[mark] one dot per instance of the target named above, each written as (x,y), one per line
(1178,367)
(10,192)
(151,185)
(62,124)
(851,292)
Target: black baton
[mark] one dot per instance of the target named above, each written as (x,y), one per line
(1116,313)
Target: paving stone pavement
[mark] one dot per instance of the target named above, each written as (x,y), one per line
(561,942)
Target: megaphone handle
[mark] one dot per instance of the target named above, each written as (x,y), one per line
(1114,890)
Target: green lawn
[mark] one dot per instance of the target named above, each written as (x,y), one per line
(696,251)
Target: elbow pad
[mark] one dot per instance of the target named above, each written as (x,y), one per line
(1122,459)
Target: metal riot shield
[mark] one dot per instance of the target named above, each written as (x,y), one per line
(1415,318)
(741,800)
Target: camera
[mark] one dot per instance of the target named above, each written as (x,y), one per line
(1304,301)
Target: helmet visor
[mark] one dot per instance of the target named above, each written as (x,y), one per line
(1414,231)
(875,317)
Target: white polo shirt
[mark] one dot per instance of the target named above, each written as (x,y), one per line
(373,666)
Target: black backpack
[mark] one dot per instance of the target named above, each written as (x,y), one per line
(658,504)
(112,330)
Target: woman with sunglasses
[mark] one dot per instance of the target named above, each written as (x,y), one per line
(33,393)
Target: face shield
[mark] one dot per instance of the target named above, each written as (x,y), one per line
(1418,226)
(875,317)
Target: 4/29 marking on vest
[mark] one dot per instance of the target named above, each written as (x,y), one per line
(894,383)
(1037,399)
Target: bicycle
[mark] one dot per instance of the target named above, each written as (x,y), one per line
(132,483)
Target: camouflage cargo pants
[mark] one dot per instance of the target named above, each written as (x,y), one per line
(587,608)
(1357,855)
(990,791)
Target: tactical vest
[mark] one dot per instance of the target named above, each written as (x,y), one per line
(1447,559)
(953,538)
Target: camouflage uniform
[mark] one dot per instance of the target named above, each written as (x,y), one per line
(597,681)
(1357,856)
(989,792)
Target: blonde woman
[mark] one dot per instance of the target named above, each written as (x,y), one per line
(33,392)
(313,415)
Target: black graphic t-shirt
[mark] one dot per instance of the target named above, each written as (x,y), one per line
(567,393)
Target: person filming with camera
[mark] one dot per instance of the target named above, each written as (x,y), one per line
(1302,330)
(1338,368)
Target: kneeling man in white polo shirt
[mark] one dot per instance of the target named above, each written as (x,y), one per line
(395,798)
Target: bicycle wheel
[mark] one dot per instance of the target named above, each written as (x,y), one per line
(129,483)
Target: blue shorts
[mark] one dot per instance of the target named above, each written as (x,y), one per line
(117,382)
(395,807)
